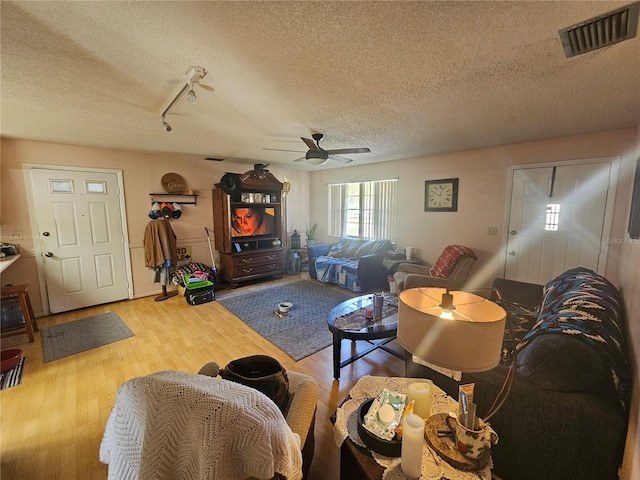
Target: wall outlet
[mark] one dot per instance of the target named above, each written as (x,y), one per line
(493,231)
(16,236)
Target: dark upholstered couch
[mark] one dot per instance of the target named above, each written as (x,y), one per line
(567,413)
(351,263)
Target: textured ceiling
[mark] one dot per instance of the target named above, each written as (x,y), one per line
(405,79)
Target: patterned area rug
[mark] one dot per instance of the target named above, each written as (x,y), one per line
(78,336)
(304,330)
(13,377)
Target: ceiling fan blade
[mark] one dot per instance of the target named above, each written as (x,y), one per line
(310,143)
(340,159)
(282,150)
(349,150)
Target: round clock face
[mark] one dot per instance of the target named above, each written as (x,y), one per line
(440,195)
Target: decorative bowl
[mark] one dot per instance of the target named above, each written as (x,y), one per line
(284,307)
(10,358)
(388,448)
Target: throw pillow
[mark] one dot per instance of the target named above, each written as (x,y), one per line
(336,250)
(364,249)
(351,247)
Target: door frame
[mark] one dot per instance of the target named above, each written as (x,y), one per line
(26,169)
(608,213)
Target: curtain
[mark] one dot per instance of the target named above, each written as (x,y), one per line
(377,209)
(337,209)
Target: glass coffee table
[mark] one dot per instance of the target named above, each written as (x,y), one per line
(347,321)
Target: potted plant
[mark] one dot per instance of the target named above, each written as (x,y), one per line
(311,233)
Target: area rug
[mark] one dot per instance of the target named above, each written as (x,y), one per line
(78,336)
(304,330)
(13,377)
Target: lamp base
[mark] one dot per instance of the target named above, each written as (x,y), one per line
(446,447)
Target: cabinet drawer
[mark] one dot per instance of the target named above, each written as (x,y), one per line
(257,258)
(258,269)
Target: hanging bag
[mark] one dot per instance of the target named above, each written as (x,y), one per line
(263,373)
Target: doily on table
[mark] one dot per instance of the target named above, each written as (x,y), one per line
(433,467)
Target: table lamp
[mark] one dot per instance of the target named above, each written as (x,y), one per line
(456,330)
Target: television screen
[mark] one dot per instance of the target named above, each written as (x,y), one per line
(253,220)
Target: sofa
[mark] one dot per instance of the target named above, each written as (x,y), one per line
(566,414)
(352,263)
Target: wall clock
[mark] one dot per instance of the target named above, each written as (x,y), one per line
(441,195)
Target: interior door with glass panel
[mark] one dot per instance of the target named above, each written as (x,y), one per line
(556,220)
(80,231)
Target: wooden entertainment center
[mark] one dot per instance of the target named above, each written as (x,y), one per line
(248,255)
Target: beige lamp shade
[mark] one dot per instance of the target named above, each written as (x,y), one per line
(467,338)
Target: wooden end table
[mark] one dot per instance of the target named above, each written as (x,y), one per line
(384,329)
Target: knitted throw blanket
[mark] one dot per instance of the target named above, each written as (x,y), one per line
(176,425)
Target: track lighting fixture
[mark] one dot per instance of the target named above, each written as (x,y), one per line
(193,75)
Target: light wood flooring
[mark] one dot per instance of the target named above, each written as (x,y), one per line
(52,424)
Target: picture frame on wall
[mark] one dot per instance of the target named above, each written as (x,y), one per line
(634,214)
(441,195)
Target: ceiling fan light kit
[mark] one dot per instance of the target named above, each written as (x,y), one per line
(319,156)
(193,75)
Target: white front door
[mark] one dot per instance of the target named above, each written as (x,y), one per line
(556,221)
(81,238)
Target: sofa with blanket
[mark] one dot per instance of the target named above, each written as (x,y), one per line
(567,412)
(351,263)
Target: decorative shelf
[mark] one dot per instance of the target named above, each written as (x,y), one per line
(194,197)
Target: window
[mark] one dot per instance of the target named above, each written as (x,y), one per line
(552,219)
(363,210)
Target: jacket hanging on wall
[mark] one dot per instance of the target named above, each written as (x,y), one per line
(160,250)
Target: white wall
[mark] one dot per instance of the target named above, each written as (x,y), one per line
(629,280)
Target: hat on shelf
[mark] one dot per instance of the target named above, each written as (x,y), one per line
(155,213)
(177,210)
(166,209)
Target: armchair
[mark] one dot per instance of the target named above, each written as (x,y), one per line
(450,270)
(218,429)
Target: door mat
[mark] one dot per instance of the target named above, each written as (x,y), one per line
(304,330)
(78,336)
(13,377)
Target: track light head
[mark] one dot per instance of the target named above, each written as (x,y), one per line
(167,127)
(191,95)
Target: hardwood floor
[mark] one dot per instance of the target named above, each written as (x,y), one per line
(52,424)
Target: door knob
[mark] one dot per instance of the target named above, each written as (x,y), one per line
(513,232)
(45,234)
(48,254)
(512,252)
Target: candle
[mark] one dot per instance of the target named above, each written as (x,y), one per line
(420,393)
(412,440)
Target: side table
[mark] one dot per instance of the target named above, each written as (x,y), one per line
(356,462)
(304,257)
(392,264)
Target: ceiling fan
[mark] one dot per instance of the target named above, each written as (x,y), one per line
(319,156)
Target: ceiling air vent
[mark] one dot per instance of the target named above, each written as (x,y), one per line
(602,31)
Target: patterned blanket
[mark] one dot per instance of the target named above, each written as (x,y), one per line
(587,306)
